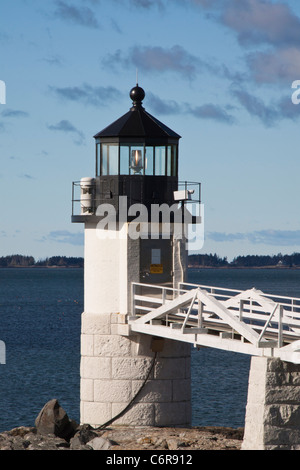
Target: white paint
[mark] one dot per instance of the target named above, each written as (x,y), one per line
(114,363)
(105,272)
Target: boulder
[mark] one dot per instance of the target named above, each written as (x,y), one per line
(52,419)
(100,443)
(83,434)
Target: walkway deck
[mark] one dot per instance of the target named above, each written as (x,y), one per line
(249,322)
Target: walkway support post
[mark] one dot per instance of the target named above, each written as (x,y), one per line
(273,407)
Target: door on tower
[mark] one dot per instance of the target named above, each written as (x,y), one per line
(156,261)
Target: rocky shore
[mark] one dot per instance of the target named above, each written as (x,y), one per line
(54,430)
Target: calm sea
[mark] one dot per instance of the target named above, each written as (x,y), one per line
(40,313)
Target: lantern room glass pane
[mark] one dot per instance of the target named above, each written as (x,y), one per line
(169,160)
(97,159)
(113,167)
(174,160)
(149,160)
(104,159)
(160,161)
(109,159)
(124,160)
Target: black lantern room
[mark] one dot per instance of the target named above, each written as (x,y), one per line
(137,157)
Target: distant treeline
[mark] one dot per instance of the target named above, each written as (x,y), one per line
(248,261)
(16,261)
(195,261)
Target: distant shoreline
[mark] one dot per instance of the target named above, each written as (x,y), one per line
(205,261)
(40,267)
(189,267)
(244,267)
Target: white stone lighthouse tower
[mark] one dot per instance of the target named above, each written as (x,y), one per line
(136,166)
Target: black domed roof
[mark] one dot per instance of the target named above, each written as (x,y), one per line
(138,122)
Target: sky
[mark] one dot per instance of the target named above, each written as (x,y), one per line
(217,72)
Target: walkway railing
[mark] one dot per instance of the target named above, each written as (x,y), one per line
(201,313)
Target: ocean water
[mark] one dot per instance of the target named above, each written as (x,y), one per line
(40,312)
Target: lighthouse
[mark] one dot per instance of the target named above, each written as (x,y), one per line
(128,378)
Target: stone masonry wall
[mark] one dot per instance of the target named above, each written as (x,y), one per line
(115,365)
(273,408)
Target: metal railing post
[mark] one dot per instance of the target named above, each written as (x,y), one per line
(164,293)
(200,314)
(133,299)
(241,310)
(280,329)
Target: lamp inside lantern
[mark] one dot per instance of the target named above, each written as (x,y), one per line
(136,161)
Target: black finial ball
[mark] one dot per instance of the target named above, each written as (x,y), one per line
(137,94)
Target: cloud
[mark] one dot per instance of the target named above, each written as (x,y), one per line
(206,111)
(143,4)
(225,237)
(54,60)
(212,111)
(26,176)
(256,21)
(87,94)
(64,236)
(269,115)
(163,106)
(256,107)
(262,237)
(158,59)
(14,113)
(66,126)
(287,109)
(82,16)
(281,66)
(147,3)
(262,22)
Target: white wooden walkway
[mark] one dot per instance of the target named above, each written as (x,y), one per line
(249,322)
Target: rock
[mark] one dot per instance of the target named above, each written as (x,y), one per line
(55,431)
(125,438)
(159,443)
(76,444)
(83,435)
(172,444)
(53,419)
(100,443)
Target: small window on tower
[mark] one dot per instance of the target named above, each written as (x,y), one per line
(155,256)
